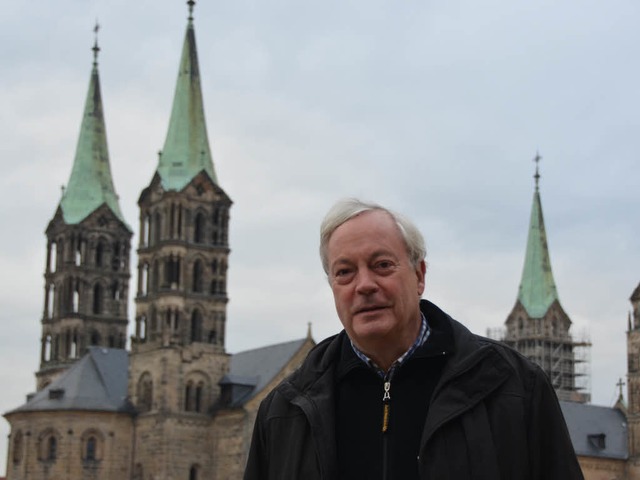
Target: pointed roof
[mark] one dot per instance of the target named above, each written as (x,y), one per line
(91,185)
(98,381)
(537,288)
(186,149)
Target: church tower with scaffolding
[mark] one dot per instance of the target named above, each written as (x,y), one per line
(88,244)
(538,327)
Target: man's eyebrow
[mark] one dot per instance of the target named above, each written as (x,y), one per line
(340,261)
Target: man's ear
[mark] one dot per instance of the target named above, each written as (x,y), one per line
(421,270)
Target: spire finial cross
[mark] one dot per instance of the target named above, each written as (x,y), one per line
(191,3)
(96,48)
(537,159)
(620,384)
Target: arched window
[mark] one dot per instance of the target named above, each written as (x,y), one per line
(144,282)
(98,300)
(115,260)
(53,257)
(145,392)
(172,272)
(142,327)
(51,295)
(196,392)
(188,397)
(47,348)
(92,443)
(198,228)
(77,259)
(59,257)
(74,350)
(75,300)
(52,448)
(198,397)
(18,447)
(157,228)
(115,291)
(90,449)
(145,233)
(100,254)
(48,445)
(197,276)
(193,472)
(196,326)
(155,276)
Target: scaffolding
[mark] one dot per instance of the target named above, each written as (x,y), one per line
(565,359)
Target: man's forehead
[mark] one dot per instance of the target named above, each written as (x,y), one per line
(376,221)
(368,254)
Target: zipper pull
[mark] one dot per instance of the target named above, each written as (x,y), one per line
(386,407)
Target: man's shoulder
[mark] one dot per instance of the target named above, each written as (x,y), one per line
(315,367)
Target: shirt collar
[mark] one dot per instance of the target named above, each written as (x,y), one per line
(420,340)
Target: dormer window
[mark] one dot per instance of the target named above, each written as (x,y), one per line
(597,440)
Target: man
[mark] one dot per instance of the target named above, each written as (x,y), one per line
(404,392)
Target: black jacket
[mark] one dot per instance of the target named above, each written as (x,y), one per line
(493,415)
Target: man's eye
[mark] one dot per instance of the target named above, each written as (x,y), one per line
(342,272)
(384,265)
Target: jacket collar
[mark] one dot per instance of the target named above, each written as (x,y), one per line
(475,370)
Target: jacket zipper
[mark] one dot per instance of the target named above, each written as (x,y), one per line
(386,412)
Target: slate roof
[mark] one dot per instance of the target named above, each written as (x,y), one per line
(596,431)
(97,382)
(250,371)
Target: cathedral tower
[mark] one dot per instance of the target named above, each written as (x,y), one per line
(538,326)
(88,243)
(178,349)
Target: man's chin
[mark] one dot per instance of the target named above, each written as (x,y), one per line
(371,327)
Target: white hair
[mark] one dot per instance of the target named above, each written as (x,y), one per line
(348,208)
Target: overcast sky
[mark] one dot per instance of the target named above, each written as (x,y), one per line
(433,108)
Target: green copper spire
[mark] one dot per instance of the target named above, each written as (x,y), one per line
(537,287)
(90,185)
(186,149)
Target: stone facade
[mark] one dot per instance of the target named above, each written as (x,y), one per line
(633,377)
(70,445)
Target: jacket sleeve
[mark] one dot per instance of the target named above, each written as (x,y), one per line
(257,462)
(551,451)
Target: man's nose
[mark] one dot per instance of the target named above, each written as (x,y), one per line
(365,282)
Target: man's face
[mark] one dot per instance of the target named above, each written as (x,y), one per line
(375,287)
